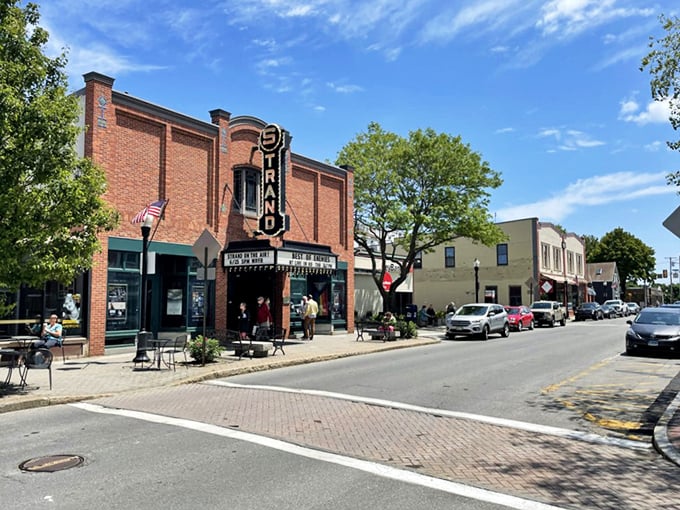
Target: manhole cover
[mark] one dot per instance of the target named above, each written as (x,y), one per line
(51,463)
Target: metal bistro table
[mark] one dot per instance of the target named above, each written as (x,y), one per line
(10,359)
(158,344)
(24,341)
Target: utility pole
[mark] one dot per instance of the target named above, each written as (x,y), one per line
(671,263)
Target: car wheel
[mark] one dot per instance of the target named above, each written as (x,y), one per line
(531,325)
(552,322)
(505,332)
(563,322)
(520,326)
(485,333)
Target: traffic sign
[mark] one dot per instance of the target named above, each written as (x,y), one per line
(672,223)
(387,281)
(206,248)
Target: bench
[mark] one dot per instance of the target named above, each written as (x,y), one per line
(231,340)
(374,330)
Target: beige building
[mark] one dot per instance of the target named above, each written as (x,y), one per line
(536,261)
(367,298)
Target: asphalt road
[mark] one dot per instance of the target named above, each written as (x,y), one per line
(538,376)
(132,464)
(573,377)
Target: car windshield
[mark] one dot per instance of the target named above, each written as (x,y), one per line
(513,310)
(660,318)
(611,302)
(587,305)
(472,310)
(541,305)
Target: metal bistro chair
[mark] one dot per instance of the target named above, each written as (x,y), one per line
(278,340)
(173,347)
(39,359)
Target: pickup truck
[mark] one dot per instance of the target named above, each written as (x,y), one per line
(549,312)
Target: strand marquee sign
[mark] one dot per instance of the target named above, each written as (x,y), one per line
(273,144)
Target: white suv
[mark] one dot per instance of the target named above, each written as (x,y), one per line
(619,306)
(478,319)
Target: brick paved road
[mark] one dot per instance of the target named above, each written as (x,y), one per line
(563,472)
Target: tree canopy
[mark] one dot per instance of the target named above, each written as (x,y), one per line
(51,207)
(634,259)
(663,63)
(412,194)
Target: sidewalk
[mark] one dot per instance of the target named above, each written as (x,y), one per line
(98,376)
(95,377)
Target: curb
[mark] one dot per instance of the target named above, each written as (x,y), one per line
(661,441)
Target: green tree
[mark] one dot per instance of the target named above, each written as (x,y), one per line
(634,259)
(412,194)
(51,209)
(591,244)
(663,63)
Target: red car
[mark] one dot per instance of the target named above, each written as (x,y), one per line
(520,317)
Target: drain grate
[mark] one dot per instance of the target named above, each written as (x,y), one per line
(51,463)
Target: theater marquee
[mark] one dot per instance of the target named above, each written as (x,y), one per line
(273,144)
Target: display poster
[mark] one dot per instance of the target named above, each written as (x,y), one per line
(118,299)
(174,302)
(197,301)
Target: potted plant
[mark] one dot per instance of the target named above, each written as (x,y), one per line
(212,349)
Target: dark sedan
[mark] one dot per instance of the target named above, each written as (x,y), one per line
(654,329)
(588,311)
(608,312)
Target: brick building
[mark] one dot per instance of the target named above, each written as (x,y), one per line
(211,174)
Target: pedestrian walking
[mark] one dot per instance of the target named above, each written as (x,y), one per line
(305,319)
(243,321)
(311,312)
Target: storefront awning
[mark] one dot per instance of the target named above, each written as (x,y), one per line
(292,257)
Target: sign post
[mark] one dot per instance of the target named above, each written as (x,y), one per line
(206,248)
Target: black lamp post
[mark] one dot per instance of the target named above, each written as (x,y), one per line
(566,283)
(476,264)
(142,356)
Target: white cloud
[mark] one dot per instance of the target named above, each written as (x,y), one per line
(564,18)
(656,112)
(569,139)
(344,89)
(654,146)
(590,192)
(505,130)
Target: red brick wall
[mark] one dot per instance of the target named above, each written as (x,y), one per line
(150,153)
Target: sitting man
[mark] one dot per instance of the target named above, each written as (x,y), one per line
(51,334)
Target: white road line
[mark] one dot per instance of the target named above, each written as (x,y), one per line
(368,467)
(530,427)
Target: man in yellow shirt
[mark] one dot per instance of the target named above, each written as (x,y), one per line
(311,312)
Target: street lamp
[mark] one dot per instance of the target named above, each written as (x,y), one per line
(476,264)
(564,269)
(142,356)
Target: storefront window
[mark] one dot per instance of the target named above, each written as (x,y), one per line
(123,297)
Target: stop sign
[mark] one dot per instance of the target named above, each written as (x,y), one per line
(387,281)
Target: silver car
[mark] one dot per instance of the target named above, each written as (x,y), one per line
(478,319)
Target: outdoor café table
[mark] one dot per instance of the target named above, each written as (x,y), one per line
(24,341)
(158,344)
(10,360)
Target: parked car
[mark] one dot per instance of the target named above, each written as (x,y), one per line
(633,308)
(654,329)
(478,319)
(549,312)
(591,310)
(520,317)
(619,307)
(607,311)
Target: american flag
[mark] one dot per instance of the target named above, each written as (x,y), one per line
(153,209)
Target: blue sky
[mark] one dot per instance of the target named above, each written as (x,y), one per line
(550,93)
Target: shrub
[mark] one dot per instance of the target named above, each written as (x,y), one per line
(212,349)
(407,329)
